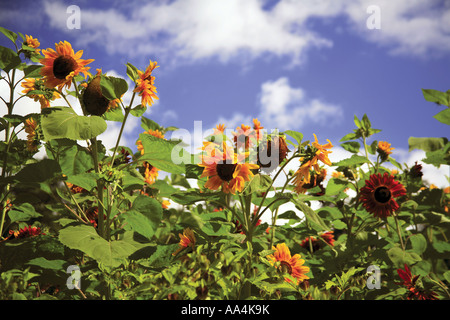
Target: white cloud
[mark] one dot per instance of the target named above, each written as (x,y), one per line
(233,30)
(283,107)
(191,30)
(412,27)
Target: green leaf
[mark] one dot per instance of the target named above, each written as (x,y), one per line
(112,87)
(62,122)
(114,114)
(418,243)
(41,171)
(338,224)
(426,144)
(22,212)
(8,59)
(158,152)
(73,158)
(352,161)
(298,136)
(193,171)
(145,216)
(86,239)
(436,96)
(148,124)
(32,71)
(132,72)
(138,111)
(443,116)
(400,257)
(86,180)
(9,34)
(350,136)
(447,275)
(311,215)
(351,146)
(366,122)
(395,163)
(357,122)
(43,263)
(438,157)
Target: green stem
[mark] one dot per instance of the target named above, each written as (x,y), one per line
(399,232)
(127,112)
(100,185)
(4,210)
(275,216)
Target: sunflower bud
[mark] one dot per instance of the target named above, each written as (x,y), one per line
(272,150)
(94,101)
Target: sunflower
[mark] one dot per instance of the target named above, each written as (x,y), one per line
(26,232)
(291,264)
(315,180)
(62,65)
(225,168)
(187,239)
(310,164)
(258,129)
(244,137)
(32,84)
(377,196)
(275,144)
(321,152)
(32,43)
(145,84)
(414,286)
(151,173)
(32,140)
(384,150)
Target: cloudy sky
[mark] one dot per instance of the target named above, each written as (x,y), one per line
(305,65)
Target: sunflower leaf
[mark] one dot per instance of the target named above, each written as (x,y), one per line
(112,87)
(63,122)
(160,154)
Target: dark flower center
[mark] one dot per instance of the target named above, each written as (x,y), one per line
(285,267)
(382,194)
(63,66)
(225,171)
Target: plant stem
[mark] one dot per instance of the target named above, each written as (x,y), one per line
(399,232)
(127,112)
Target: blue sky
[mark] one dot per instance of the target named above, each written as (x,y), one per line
(306,65)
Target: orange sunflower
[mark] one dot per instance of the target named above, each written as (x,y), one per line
(151,173)
(187,239)
(225,168)
(145,84)
(32,84)
(377,196)
(310,163)
(32,43)
(293,265)
(62,65)
(30,128)
(384,150)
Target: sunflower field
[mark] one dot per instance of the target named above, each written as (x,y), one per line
(84,222)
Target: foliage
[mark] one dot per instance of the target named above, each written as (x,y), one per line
(106,212)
